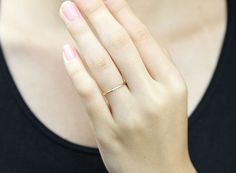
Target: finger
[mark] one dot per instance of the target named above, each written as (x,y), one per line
(96,106)
(99,63)
(155,57)
(118,43)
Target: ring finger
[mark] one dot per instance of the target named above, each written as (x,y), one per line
(118,43)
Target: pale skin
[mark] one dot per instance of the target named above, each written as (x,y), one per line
(139,132)
(164,90)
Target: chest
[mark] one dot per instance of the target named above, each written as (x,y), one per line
(48,92)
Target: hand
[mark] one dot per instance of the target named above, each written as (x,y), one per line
(140,127)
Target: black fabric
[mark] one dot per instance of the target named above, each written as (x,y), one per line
(27,146)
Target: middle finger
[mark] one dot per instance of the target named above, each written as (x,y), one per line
(118,43)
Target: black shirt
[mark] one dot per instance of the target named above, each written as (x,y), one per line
(28,146)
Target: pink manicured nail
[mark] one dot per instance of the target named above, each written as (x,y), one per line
(70,11)
(69,52)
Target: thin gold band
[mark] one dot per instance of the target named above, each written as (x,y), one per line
(115,88)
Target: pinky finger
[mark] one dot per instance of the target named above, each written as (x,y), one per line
(88,90)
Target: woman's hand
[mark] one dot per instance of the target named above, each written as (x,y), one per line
(140,127)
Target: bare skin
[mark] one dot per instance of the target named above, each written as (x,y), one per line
(53,98)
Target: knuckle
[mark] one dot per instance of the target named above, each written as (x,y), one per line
(141,33)
(87,89)
(180,88)
(117,39)
(101,63)
(92,8)
(74,70)
(177,82)
(150,107)
(79,30)
(170,71)
(133,120)
(132,125)
(118,6)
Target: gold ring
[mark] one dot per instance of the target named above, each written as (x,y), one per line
(115,88)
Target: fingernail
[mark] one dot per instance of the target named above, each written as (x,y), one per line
(70,11)
(68,52)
